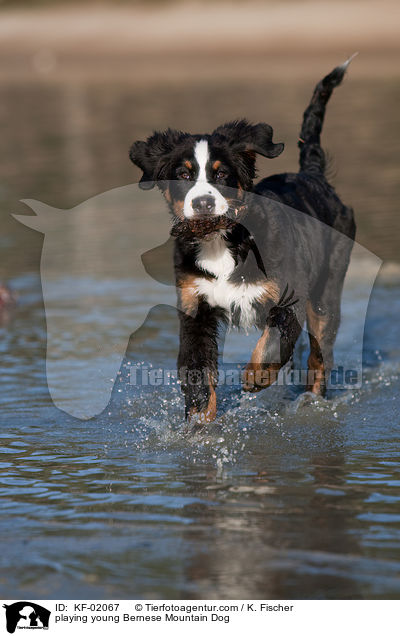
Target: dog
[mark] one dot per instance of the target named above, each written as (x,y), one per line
(243,256)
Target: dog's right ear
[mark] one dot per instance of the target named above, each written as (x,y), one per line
(152,156)
(139,155)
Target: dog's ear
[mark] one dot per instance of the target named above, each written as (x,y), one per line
(260,141)
(151,156)
(250,138)
(139,156)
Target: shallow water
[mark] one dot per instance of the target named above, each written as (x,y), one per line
(279,498)
(305,496)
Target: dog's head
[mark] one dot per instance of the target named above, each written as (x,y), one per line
(204,174)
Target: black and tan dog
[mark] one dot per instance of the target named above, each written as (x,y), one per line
(242,254)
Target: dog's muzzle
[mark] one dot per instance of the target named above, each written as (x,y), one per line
(204,204)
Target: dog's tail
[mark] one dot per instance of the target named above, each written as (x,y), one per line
(312,156)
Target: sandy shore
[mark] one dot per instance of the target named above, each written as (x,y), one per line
(183,41)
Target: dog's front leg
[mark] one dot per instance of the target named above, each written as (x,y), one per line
(198,363)
(275,347)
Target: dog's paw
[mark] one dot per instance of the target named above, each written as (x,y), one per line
(256,377)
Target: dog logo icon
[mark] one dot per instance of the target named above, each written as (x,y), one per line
(26,615)
(89,326)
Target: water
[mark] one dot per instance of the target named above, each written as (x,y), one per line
(278,498)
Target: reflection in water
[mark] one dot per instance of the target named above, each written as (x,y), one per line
(288,544)
(277,499)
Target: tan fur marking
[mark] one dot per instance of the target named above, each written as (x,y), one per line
(188,295)
(176,205)
(216,164)
(271,292)
(188,164)
(258,374)
(316,369)
(178,209)
(257,356)
(235,203)
(209,413)
(316,325)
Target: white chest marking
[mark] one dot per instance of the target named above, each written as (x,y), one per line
(215,258)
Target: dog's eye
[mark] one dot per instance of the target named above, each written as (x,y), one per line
(184,175)
(221,174)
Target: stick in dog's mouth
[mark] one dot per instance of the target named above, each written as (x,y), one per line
(199,227)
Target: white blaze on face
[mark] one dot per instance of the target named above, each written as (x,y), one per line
(202,156)
(202,187)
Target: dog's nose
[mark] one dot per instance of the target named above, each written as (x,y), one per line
(204,204)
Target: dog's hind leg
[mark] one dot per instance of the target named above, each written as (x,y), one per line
(322,329)
(323,316)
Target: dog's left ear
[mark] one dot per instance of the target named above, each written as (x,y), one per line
(260,141)
(251,138)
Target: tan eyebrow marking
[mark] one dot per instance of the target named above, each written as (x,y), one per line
(188,164)
(216,164)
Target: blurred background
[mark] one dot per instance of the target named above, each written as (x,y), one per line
(124,505)
(80,82)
